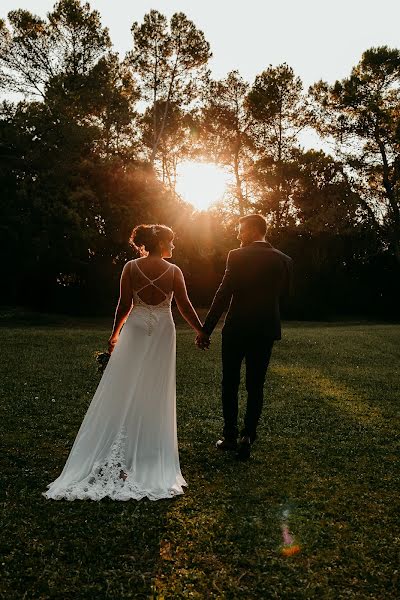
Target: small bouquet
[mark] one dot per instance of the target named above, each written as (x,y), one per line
(102,359)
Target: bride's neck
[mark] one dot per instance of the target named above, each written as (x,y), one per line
(154,256)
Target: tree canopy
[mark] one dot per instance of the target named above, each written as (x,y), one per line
(91,143)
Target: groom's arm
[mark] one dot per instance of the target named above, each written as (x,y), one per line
(222,298)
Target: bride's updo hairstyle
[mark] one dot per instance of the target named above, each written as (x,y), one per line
(149,236)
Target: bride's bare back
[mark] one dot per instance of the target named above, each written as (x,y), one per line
(152,281)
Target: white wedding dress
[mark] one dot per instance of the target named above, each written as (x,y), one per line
(127,447)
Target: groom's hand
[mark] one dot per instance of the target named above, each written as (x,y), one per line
(203,341)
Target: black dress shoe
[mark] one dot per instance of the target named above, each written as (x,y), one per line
(244,448)
(226,444)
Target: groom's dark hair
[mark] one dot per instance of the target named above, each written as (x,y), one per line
(257,221)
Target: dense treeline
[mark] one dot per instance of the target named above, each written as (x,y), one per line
(93,149)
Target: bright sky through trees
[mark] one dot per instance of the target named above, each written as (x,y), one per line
(317,39)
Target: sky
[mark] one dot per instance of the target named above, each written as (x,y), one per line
(319,39)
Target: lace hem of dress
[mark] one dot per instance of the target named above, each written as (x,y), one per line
(109,479)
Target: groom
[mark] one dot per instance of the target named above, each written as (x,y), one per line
(256,277)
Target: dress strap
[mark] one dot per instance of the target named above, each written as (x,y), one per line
(148,278)
(167,269)
(151,281)
(130,272)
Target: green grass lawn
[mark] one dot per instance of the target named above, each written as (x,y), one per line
(327,453)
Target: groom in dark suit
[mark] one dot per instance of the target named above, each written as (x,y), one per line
(257,276)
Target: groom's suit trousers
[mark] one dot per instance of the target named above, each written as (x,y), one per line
(255,350)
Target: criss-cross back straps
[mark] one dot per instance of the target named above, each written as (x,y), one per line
(151,281)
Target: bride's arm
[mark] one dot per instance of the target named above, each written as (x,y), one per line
(124,306)
(182,300)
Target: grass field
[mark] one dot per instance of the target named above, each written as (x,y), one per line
(327,457)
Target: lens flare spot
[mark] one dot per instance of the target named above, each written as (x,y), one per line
(289,547)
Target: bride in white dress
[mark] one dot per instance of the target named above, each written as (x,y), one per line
(127,447)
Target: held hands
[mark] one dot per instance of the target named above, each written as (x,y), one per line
(202,341)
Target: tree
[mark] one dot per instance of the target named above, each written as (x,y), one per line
(177,142)
(104,99)
(362,113)
(277,104)
(34,51)
(226,131)
(169,65)
(80,125)
(323,195)
(65,62)
(67,209)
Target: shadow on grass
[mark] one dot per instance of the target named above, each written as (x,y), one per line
(327,455)
(79,549)
(225,535)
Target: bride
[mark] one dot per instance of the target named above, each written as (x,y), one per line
(126,447)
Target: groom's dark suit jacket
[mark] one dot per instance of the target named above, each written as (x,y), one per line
(257,276)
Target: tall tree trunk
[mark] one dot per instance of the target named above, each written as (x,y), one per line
(155,99)
(238,181)
(394,209)
(278,208)
(171,85)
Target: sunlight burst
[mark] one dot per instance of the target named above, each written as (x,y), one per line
(201,184)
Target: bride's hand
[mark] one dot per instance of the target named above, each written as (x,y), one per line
(202,340)
(111,342)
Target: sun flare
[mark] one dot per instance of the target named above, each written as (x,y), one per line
(201,184)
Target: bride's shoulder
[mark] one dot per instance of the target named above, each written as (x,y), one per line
(177,272)
(131,262)
(128,265)
(175,268)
